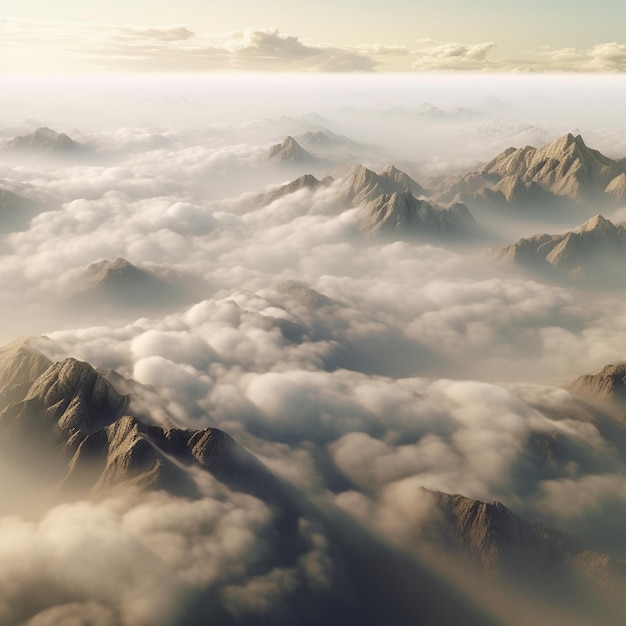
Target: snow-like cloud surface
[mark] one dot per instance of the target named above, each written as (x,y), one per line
(359,370)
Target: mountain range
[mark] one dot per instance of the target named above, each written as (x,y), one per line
(390,203)
(71,422)
(591,253)
(561,173)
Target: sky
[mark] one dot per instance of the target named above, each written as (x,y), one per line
(396,36)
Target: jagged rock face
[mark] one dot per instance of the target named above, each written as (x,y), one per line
(492,539)
(588,252)
(566,166)
(46,142)
(403,214)
(95,447)
(397,180)
(361,185)
(21,364)
(289,152)
(563,170)
(318,139)
(72,415)
(607,386)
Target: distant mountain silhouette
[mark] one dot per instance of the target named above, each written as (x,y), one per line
(289,152)
(45,142)
(119,283)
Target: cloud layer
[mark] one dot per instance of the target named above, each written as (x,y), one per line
(85,46)
(361,371)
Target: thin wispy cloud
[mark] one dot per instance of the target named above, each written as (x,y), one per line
(46,46)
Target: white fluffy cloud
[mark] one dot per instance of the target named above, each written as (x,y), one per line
(66,568)
(175,48)
(81,46)
(452,56)
(359,370)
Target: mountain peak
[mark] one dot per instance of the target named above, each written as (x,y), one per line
(47,142)
(289,151)
(564,144)
(46,132)
(597,223)
(119,264)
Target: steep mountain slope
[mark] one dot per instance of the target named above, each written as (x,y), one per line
(71,426)
(67,422)
(307,181)
(495,541)
(289,152)
(606,387)
(401,214)
(561,172)
(387,203)
(566,166)
(329,144)
(360,185)
(591,252)
(45,142)
(74,415)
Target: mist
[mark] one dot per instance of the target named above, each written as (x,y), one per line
(368,364)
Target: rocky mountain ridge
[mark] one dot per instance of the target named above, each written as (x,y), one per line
(590,252)
(563,171)
(75,416)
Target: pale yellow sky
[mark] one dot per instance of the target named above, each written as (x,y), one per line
(291,35)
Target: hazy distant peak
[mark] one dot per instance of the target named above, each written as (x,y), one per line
(289,151)
(307,181)
(120,283)
(45,141)
(104,268)
(47,133)
(120,264)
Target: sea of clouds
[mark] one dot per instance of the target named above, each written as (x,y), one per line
(359,371)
